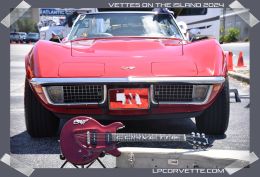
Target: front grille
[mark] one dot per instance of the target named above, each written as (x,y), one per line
(83,93)
(173,93)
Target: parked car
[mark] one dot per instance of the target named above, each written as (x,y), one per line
(23,36)
(18,37)
(124,66)
(15,37)
(32,37)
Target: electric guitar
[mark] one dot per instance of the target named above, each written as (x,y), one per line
(83,139)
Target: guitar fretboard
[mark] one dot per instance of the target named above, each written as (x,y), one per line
(147,137)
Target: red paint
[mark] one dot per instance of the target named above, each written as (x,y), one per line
(82,69)
(105,58)
(202,58)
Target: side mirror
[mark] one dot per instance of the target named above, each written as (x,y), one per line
(193,33)
(184,29)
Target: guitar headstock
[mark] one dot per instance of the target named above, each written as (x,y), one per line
(197,140)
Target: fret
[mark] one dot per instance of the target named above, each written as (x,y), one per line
(144,137)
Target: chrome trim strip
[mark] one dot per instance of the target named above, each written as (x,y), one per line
(70,104)
(193,103)
(192,80)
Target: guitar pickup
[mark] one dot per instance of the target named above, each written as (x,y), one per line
(88,138)
(108,137)
(93,138)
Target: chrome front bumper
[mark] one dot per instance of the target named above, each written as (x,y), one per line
(149,80)
(192,80)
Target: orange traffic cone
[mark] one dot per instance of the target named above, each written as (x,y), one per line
(240,61)
(230,61)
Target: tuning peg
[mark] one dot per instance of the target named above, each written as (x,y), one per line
(198,134)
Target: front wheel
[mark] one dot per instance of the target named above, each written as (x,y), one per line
(39,121)
(215,119)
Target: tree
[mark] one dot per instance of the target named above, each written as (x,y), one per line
(27,25)
(231,36)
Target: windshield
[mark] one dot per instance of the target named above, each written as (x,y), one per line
(125,24)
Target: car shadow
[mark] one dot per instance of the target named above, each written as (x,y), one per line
(23,144)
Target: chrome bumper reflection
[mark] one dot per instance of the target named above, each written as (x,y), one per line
(192,80)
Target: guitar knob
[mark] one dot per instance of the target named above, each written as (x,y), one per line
(192,133)
(203,135)
(198,134)
(204,144)
(194,142)
(199,143)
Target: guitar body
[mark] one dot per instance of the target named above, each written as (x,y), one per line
(83,139)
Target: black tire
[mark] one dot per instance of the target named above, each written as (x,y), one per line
(39,121)
(214,120)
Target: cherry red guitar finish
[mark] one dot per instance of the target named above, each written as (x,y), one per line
(76,140)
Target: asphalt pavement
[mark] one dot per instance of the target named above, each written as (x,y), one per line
(44,152)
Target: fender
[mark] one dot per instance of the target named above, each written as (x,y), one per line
(208,57)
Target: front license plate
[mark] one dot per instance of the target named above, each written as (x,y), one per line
(129,98)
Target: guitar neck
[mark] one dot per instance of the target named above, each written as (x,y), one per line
(146,137)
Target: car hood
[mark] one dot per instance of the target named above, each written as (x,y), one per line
(126,47)
(127,57)
(124,58)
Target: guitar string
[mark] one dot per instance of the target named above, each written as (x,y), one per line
(128,135)
(135,134)
(183,137)
(129,138)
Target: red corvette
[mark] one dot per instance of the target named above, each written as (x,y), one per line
(126,65)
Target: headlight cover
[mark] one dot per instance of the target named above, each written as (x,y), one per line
(55,93)
(200,92)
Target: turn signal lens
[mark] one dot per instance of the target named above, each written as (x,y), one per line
(216,87)
(38,89)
